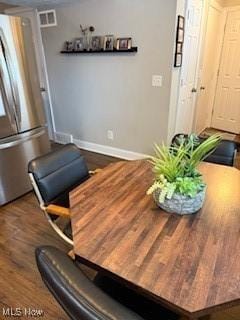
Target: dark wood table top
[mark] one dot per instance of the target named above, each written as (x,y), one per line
(190,263)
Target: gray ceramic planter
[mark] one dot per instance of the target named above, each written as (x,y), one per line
(180,204)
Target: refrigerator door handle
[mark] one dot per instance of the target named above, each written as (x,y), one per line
(9,114)
(14,143)
(11,79)
(5,87)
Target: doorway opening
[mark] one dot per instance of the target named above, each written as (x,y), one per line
(212,99)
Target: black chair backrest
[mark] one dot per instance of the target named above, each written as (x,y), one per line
(58,172)
(224,153)
(77,295)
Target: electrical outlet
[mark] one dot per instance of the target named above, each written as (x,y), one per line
(157,81)
(110,135)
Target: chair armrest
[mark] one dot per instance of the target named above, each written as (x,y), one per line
(58,211)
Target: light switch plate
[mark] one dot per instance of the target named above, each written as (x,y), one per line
(157,81)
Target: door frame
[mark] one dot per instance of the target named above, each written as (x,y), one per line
(201,56)
(196,80)
(226,10)
(41,63)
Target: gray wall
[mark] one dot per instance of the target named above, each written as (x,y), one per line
(94,93)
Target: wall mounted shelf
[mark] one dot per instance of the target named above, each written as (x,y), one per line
(133,49)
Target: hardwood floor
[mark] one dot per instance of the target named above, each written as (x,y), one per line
(22,228)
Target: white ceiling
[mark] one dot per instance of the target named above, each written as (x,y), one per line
(39,3)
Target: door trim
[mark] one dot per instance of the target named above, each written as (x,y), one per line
(196,80)
(225,14)
(217,6)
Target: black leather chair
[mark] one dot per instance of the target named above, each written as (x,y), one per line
(83,299)
(53,176)
(224,154)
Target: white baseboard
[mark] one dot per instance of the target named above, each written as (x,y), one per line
(109,151)
(63,138)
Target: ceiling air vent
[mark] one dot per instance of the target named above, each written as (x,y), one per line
(47,18)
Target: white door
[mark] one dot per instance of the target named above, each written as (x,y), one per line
(41,63)
(226,113)
(187,94)
(209,65)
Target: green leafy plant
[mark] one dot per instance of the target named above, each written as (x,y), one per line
(175,167)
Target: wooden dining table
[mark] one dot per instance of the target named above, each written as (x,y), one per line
(190,264)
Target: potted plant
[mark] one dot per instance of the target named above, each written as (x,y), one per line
(178,185)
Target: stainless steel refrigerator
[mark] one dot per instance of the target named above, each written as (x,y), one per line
(23,132)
